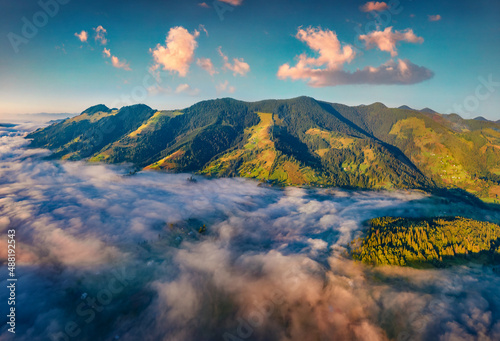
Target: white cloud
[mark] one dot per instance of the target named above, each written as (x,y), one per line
(178,53)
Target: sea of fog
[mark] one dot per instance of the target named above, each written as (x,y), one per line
(102,255)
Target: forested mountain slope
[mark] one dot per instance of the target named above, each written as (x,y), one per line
(296,141)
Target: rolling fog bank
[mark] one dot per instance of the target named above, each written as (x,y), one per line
(102,255)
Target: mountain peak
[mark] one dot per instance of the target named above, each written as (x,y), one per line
(428,110)
(96,108)
(405,107)
(453,117)
(136,106)
(480,118)
(378,105)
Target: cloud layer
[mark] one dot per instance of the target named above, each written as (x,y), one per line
(122,256)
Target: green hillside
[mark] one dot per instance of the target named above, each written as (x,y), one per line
(297,141)
(428,242)
(87,134)
(451,151)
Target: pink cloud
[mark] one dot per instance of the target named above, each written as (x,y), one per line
(100,35)
(157,89)
(187,89)
(225,87)
(83,36)
(374,6)
(203,4)
(202,28)
(207,65)
(328,68)
(326,43)
(233,2)
(117,63)
(386,40)
(332,55)
(178,53)
(436,17)
(239,67)
(107,52)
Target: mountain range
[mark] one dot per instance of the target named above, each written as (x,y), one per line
(299,141)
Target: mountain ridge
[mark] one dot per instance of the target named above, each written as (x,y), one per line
(291,142)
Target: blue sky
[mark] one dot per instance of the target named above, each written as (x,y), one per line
(437,54)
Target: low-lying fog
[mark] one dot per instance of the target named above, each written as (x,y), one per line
(102,255)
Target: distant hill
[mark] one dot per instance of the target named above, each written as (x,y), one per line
(480,118)
(424,110)
(299,141)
